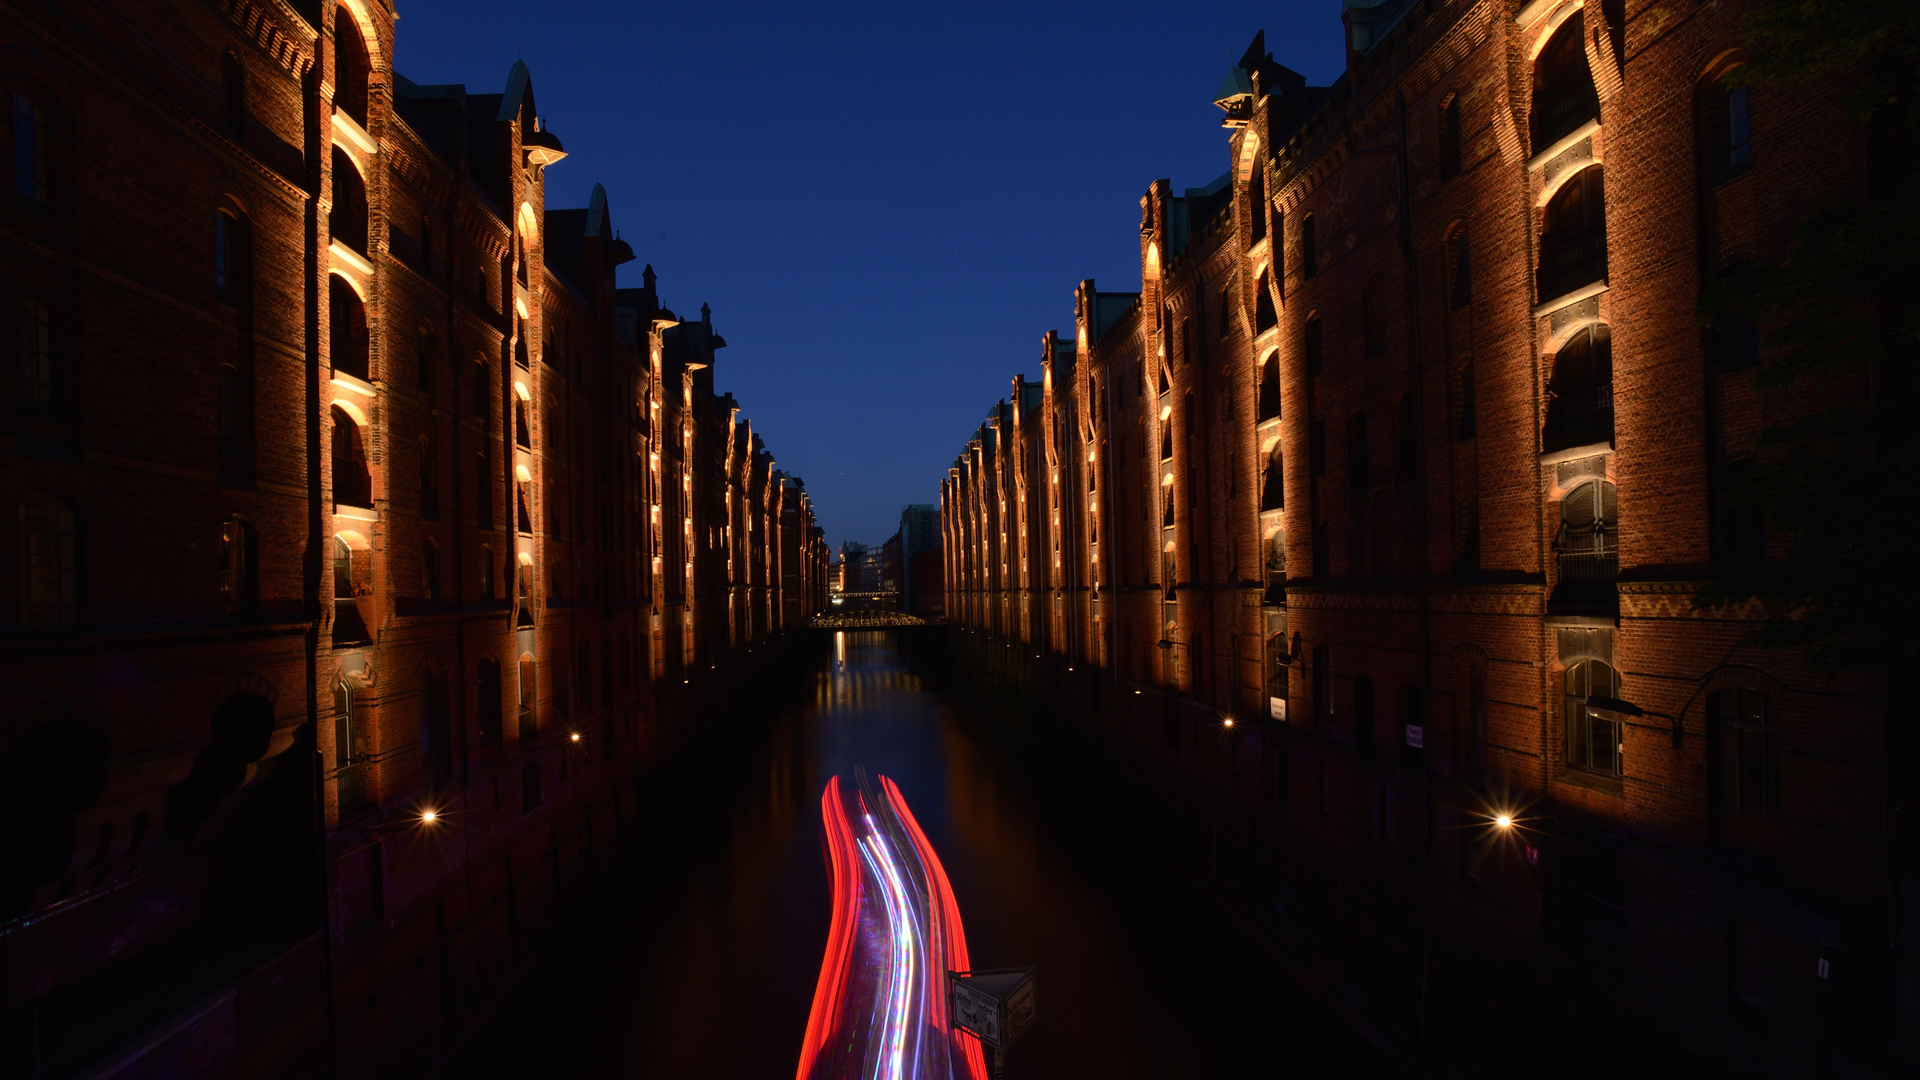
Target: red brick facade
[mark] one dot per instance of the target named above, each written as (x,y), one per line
(1410,442)
(341,466)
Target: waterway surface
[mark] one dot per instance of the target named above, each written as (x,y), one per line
(700,960)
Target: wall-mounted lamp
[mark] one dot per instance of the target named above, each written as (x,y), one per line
(1599,703)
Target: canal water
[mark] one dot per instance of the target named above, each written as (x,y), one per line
(700,960)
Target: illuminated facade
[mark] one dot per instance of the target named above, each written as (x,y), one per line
(341,466)
(1409,443)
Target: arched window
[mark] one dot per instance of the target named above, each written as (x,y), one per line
(30,180)
(1563,94)
(1459,269)
(350,67)
(1450,139)
(1226,312)
(352,480)
(347,330)
(436,727)
(232,284)
(1309,250)
(1594,738)
(1373,314)
(1406,438)
(530,787)
(1273,486)
(49,563)
(347,221)
(1359,468)
(240,567)
(233,92)
(1580,395)
(1269,389)
(488,691)
(1573,239)
(38,387)
(1363,715)
(1746,765)
(1588,547)
(430,570)
(1264,316)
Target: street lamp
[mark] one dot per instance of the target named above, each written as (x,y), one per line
(1599,703)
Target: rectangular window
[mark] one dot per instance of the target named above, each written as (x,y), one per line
(29,149)
(1737,154)
(1746,774)
(1309,251)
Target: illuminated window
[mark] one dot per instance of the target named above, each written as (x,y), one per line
(347,329)
(1573,236)
(1563,94)
(1269,407)
(352,481)
(1580,394)
(347,221)
(1593,738)
(350,67)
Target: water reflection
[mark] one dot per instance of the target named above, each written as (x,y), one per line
(704,962)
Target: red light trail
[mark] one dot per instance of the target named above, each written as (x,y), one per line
(880,1005)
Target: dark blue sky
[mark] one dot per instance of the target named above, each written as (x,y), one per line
(887,205)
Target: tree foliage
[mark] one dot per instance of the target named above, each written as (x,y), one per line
(1843,336)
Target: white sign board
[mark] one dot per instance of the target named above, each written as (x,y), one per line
(1277,708)
(976,1011)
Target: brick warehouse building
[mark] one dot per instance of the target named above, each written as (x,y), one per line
(342,467)
(1410,442)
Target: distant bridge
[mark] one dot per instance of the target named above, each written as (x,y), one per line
(872,619)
